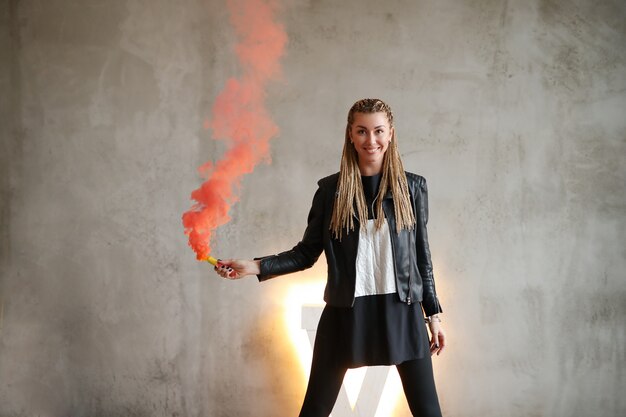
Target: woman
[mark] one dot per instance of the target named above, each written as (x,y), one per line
(370,221)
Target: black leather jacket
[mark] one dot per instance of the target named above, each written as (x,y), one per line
(412,261)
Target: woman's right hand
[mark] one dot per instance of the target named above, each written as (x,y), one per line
(237,268)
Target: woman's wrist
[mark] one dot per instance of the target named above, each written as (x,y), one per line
(432,319)
(257,267)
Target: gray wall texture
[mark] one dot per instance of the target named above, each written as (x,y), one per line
(513,110)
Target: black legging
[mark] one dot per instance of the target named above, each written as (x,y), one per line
(419,387)
(326,379)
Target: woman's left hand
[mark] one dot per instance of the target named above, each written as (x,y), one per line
(438,338)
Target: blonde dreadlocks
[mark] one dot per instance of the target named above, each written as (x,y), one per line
(350,189)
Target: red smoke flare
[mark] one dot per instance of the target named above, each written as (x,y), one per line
(239,118)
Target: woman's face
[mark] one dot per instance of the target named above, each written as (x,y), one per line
(370,134)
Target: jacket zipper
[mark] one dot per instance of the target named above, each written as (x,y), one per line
(408,292)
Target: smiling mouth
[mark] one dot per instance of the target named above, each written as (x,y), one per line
(372,150)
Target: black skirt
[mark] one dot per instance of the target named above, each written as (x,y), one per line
(377,330)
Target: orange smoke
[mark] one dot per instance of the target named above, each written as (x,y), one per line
(239,118)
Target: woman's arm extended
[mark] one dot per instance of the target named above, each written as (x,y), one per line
(300,257)
(306,252)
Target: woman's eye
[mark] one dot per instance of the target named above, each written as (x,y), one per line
(360,132)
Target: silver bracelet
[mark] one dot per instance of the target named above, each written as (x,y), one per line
(432,319)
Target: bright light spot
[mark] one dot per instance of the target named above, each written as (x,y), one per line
(352,383)
(297,296)
(391,394)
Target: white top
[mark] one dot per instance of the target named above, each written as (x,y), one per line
(374,262)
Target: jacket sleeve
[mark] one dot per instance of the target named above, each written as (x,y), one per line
(305,253)
(430,302)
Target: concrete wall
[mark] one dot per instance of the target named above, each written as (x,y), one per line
(513,111)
